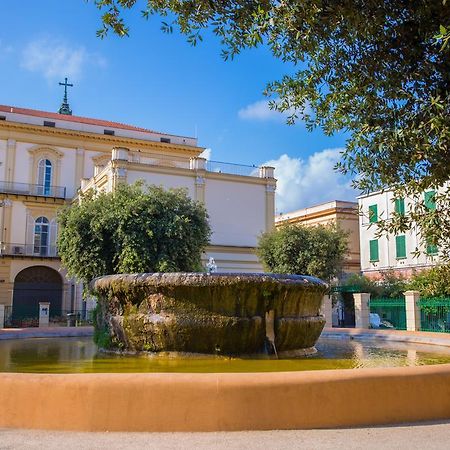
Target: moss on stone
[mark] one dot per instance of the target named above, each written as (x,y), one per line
(220,313)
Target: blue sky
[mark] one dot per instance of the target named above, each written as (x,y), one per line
(159,81)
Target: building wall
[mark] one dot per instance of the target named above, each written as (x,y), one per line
(239,209)
(388,259)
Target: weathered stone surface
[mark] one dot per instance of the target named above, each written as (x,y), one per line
(209,313)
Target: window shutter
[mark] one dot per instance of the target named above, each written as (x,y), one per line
(400,206)
(400,246)
(432,249)
(430,203)
(373,213)
(373,250)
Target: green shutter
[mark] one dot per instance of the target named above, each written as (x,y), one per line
(400,206)
(373,213)
(400,246)
(429,200)
(432,249)
(373,249)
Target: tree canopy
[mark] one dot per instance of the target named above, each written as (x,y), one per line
(379,70)
(297,249)
(136,228)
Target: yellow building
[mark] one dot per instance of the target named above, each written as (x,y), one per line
(344,214)
(45,158)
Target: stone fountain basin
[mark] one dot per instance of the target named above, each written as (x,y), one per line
(210,313)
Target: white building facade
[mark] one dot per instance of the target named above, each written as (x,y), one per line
(45,158)
(404,253)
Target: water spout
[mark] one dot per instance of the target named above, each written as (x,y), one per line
(270,331)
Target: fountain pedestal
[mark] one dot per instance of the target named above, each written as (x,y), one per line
(209,313)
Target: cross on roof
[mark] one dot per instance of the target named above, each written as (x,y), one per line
(65,109)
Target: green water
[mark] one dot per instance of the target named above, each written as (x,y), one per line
(80,355)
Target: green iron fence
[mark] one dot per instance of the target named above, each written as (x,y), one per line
(435,314)
(392,312)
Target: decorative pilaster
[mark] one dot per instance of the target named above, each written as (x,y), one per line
(118,175)
(412,310)
(119,163)
(79,166)
(6,221)
(362,310)
(198,165)
(10,160)
(267,173)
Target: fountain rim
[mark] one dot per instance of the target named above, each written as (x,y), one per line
(207,279)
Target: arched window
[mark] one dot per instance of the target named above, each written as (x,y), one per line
(44,179)
(41,236)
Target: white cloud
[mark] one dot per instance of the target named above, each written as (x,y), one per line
(55,59)
(261,111)
(206,154)
(306,183)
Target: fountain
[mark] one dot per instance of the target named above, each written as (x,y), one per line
(212,312)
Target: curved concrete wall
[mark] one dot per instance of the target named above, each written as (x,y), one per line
(221,402)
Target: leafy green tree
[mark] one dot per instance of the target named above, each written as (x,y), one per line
(318,251)
(377,69)
(433,282)
(136,228)
(389,285)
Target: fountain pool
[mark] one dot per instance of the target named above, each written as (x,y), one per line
(81,355)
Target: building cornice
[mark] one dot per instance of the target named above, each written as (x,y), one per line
(333,213)
(41,134)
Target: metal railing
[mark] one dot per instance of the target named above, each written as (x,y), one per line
(392,312)
(435,314)
(14,249)
(8,187)
(232,169)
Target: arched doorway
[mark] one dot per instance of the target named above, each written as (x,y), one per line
(33,285)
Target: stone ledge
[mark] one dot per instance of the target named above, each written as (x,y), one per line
(418,337)
(45,332)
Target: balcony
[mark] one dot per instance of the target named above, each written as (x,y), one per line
(47,251)
(35,190)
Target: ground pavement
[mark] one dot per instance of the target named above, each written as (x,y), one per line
(416,436)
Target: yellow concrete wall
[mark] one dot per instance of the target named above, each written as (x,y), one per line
(225,402)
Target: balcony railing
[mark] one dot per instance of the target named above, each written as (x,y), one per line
(43,251)
(233,169)
(32,189)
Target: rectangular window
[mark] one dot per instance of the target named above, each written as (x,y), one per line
(2,117)
(400,246)
(165,140)
(400,206)
(373,213)
(109,132)
(373,250)
(429,198)
(47,123)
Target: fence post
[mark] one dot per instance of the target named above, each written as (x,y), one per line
(412,310)
(44,314)
(362,310)
(327,310)
(2,316)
